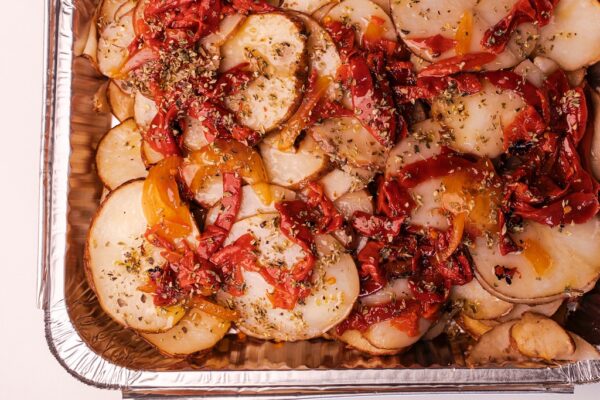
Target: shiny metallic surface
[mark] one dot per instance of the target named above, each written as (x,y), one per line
(98,351)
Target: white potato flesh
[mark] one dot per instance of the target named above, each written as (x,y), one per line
(494,347)
(358,13)
(144,110)
(274,45)
(547,309)
(112,46)
(424,141)
(213,41)
(108,11)
(428,211)
(595,147)
(119,157)
(252,204)
(567,263)
(531,72)
(396,289)
(583,350)
(356,340)
(295,167)
(384,335)
(195,332)
(346,140)
(149,155)
(353,202)
(572,35)
(321,13)
(475,327)
(427,18)
(194,136)
(479,303)
(477,121)
(323,57)
(304,6)
(212,190)
(338,182)
(121,103)
(117,260)
(334,279)
(536,336)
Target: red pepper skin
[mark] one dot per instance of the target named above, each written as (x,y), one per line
(538,11)
(393,200)
(526,125)
(214,235)
(569,111)
(371,275)
(456,64)
(441,165)
(233,259)
(436,44)
(251,6)
(533,96)
(404,314)
(373,105)
(160,134)
(376,226)
(331,219)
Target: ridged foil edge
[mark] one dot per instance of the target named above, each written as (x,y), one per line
(79,360)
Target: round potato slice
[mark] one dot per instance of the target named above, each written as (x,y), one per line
(346,140)
(536,336)
(583,350)
(546,309)
(334,290)
(121,103)
(252,204)
(338,182)
(428,18)
(475,327)
(304,6)
(144,110)
(211,192)
(479,303)
(356,340)
(274,44)
(494,347)
(117,258)
(195,332)
(119,157)
(111,10)
(227,27)
(194,134)
(544,271)
(477,121)
(352,202)
(359,13)
(112,46)
(570,36)
(296,167)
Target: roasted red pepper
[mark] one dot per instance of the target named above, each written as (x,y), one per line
(214,235)
(436,44)
(569,110)
(525,127)
(404,315)
(456,64)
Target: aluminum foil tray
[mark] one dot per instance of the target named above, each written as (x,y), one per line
(98,351)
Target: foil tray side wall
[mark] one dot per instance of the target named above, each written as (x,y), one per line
(98,351)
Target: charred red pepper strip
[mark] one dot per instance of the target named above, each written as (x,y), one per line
(220,123)
(526,126)
(533,96)
(372,277)
(569,110)
(214,235)
(393,200)
(160,133)
(403,314)
(456,64)
(233,259)
(376,226)
(373,106)
(252,6)
(436,44)
(539,11)
(331,219)
(434,167)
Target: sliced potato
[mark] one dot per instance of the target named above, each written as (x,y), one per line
(274,45)
(545,272)
(475,327)
(90,47)
(494,347)
(195,332)
(570,35)
(304,6)
(356,340)
(194,137)
(477,121)
(112,46)
(295,167)
(145,110)
(149,155)
(358,13)
(121,103)
(352,202)
(117,258)
(536,336)
(478,303)
(118,157)
(109,11)
(100,99)
(338,182)
(334,287)
(386,336)
(212,42)
(547,309)
(583,350)
(346,140)
(252,204)
(212,191)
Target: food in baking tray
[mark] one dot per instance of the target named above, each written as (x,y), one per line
(370,172)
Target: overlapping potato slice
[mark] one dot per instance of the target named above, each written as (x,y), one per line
(119,157)
(477,303)
(121,103)
(334,287)
(274,45)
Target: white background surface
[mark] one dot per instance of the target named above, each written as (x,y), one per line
(27,369)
